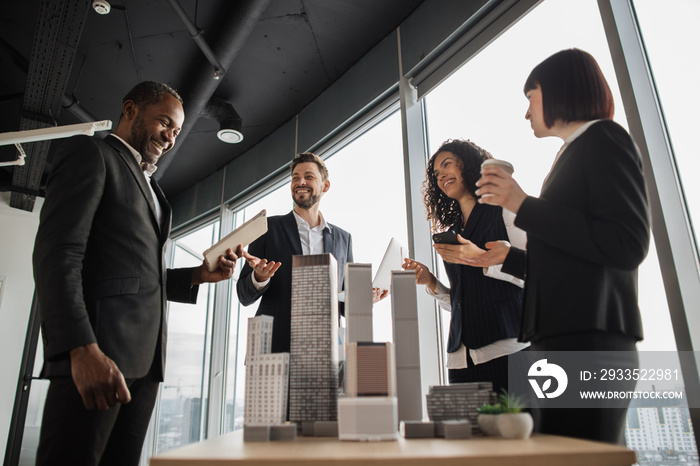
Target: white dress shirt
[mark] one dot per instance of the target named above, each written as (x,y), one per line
(311,241)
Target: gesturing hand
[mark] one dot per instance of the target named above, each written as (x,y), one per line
(458,253)
(263,269)
(423,275)
(496,254)
(98,379)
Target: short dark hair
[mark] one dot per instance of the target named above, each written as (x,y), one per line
(150,93)
(443,211)
(573,88)
(305,157)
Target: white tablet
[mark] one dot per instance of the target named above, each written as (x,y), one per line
(243,235)
(392,260)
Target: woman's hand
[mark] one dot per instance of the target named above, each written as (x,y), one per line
(458,253)
(497,187)
(423,275)
(496,255)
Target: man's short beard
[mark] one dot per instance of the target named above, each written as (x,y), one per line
(140,140)
(308,203)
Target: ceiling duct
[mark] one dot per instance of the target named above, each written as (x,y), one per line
(235,33)
(230,123)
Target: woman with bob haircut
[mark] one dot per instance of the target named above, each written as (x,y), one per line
(485,305)
(587,232)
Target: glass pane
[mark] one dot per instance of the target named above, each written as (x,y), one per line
(183,395)
(671,37)
(367,198)
(484,102)
(277,202)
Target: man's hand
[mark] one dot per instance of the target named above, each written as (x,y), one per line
(423,275)
(458,253)
(225,270)
(98,379)
(496,254)
(497,187)
(263,269)
(378,294)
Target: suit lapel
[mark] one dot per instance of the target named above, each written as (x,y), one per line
(165,208)
(292,231)
(139,177)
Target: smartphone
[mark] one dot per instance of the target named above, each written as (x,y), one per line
(446,237)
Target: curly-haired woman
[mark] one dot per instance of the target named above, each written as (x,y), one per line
(485,304)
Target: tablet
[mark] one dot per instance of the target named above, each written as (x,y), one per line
(392,260)
(243,235)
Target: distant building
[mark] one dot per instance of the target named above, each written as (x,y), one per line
(656,425)
(313,381)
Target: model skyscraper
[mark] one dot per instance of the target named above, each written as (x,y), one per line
(404,309)
(267,376)
(358,302)
(313,384)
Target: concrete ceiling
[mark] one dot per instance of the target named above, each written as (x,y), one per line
(278,55)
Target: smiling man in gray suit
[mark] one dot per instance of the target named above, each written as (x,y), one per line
(102,284)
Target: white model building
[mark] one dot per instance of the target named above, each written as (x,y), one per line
(404,311)
(259,335)
(358,302)
(267,376)
(313,381)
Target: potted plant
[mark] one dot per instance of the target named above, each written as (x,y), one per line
(513,422)
(488,414)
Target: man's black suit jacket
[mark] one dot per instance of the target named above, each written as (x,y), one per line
(279,244)
(99,264)
(587,233)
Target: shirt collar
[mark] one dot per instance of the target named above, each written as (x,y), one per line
(301,222)
(148,168)
(579,131)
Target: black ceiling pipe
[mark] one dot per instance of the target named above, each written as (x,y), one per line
(235,34)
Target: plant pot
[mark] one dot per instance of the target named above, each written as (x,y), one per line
(516,425)
(487,423)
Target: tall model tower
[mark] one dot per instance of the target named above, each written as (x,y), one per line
(267,376)
(358,302)
(313,381)
(404,309)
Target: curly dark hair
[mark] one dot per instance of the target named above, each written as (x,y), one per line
(443,212)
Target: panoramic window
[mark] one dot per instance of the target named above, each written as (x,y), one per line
(670,38)
(182,405)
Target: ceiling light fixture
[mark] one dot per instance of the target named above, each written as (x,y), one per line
(43,134)
(101,6)
(230,123)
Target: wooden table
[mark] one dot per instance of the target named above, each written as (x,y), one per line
(487,451)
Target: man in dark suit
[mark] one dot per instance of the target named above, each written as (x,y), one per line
(102,284)
(268,270)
